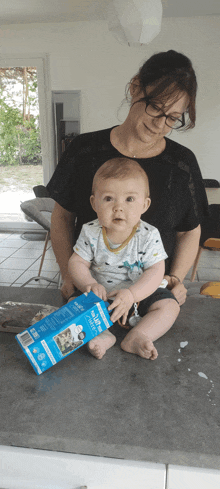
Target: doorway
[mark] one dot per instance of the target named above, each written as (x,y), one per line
(66,114)
(33,138)
(20,144)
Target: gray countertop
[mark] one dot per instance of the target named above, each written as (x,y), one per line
(121,406)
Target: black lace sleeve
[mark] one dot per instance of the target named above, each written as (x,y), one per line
(196,186)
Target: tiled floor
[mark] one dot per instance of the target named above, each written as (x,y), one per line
(209,266)
(20,260)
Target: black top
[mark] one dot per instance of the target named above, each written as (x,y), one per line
(178,198)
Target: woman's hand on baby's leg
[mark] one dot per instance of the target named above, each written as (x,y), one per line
(123,301)
(98,290)
(178,289)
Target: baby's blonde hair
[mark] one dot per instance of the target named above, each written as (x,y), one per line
(120,168)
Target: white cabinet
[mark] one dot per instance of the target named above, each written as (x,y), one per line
(180,477)
(23,468)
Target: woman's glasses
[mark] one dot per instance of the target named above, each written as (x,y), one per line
(157,113)
(171,121)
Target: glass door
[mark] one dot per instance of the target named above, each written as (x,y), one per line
(26,142)
(20,143)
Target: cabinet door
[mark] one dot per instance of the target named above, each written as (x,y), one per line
(192,478)
(24,468)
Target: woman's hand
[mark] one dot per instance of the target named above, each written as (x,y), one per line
(67,288)
(177,288)
(123,301)
(98,290)
(180,292)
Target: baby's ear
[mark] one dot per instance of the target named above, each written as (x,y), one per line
(147,204)
(92,202)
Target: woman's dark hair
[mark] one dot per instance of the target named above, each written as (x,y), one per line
(169,74)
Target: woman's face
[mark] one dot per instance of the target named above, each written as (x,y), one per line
(150,129)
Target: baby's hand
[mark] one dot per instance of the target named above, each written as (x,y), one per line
(123,301)
(98,290)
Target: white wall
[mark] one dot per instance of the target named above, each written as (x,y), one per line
(85,56)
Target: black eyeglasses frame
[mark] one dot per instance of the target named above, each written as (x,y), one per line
(147,102)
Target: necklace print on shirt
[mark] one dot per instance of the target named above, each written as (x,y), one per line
(122,245)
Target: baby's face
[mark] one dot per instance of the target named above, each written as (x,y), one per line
(119,204)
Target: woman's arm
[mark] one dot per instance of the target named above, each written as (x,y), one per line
(79,271)
(61,232)
(186,249)
(145,286)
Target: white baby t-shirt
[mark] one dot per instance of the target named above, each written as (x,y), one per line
(115,269)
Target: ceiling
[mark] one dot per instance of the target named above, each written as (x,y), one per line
(32,11)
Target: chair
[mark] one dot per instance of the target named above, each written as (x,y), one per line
(210,228)
(210,234)
(36,209)
(41,191)
(211,183)
(212,289)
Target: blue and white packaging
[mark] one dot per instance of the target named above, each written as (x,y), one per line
(64,331)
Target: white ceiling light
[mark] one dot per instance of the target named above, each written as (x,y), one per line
(135,21)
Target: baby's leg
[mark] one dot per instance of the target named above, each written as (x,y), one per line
(159,319)
(101,343)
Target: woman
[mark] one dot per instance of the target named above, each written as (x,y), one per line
(162,99)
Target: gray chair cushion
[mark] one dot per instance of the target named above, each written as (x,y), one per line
(35,209)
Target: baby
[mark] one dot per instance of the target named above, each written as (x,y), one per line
(120,257)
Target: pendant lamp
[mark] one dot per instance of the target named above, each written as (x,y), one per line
(135,21)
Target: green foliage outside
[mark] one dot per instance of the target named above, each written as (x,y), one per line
(19,118)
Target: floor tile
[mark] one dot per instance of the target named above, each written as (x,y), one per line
(14,285)
(208,255)
(212,261)
(12,243)
(193,288)
(4,245)
(209,274)
(4,236)
(6,252)
(35,245)
(2,259)
(14,263)
(188,276)
(192,478)
(14,236)
(9,276)
(48,265)
(30,274)
(49,254)
(27,253)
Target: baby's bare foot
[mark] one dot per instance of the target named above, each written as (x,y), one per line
(101,343)
(139,345)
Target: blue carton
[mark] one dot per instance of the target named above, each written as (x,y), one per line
(64,331)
